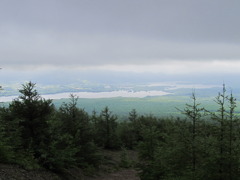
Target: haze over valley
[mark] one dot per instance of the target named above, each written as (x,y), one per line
(120,89)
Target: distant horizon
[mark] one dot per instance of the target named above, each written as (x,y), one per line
(97,44)
(86,89)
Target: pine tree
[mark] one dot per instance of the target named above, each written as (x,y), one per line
(225,120)
(232,138)
(75,124)
(106,130)
(133,115)
(32,112)
(194,113)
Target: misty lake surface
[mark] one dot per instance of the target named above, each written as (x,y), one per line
(111,94)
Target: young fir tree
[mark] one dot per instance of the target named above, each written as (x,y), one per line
(107,130)
(127,130)
(194,113)
(226,123)
(75,124)
(133,115)
(68,114)
(32,112)
(150,149)
(232,138)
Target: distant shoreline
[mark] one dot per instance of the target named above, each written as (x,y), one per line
(96,95)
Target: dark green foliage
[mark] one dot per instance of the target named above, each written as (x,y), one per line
(192,148)
(205,145)
(128,132)
(194,113)
(72,136)
(61,150)
(133,115)
(106,130)
(151,138)
(6,150)
(32,112)
(34,134)
(227,136)
(125,160)
(25,128)
(127,135)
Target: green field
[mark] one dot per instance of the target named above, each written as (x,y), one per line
(161,106)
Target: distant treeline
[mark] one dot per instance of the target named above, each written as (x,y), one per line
(204,145)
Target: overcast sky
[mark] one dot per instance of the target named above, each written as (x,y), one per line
(171,36)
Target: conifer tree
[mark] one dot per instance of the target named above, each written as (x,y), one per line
(194,113)
(232,138)
(106,130)
(32,112)
(133,115)
(221,117)
(75,123)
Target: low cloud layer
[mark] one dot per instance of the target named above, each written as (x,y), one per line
(118,33)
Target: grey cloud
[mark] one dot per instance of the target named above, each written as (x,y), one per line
(181,19)
(88,33)
(102,50)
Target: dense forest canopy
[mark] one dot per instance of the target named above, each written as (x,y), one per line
(203,145)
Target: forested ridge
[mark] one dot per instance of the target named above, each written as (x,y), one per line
(204,145)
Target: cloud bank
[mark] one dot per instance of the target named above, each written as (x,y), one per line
(135,33)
